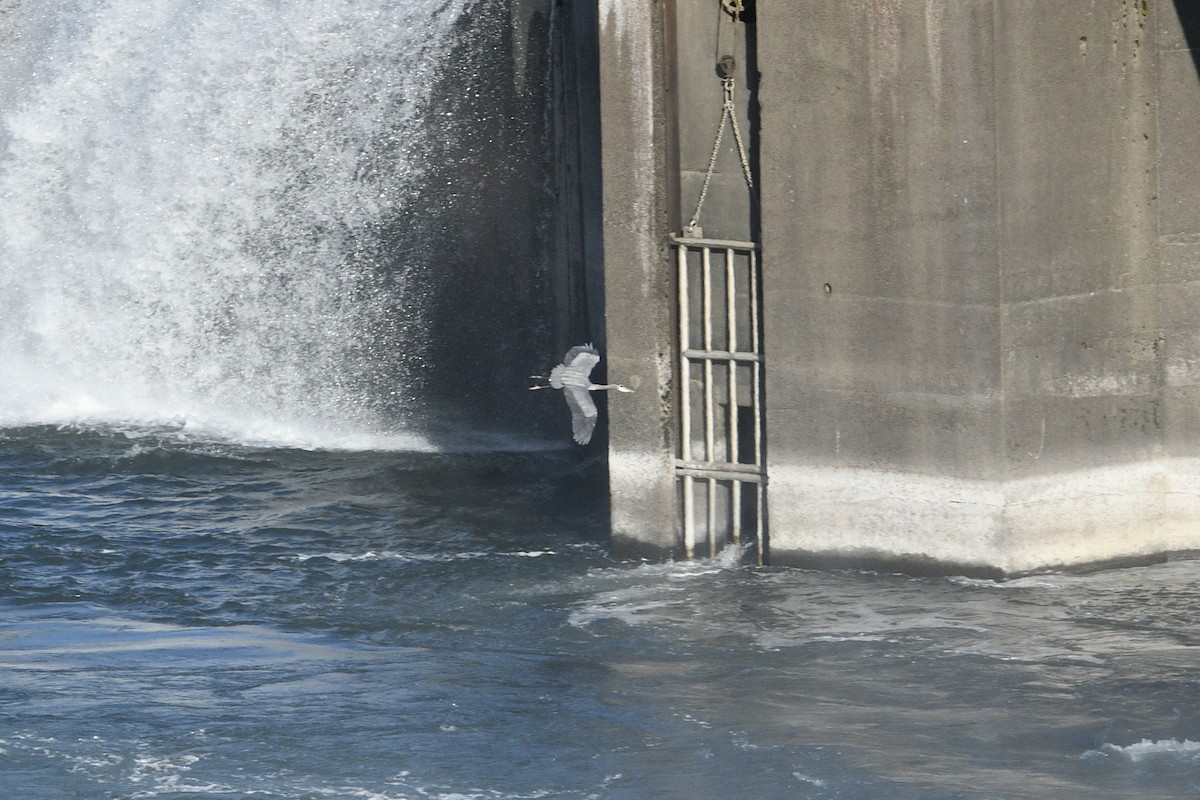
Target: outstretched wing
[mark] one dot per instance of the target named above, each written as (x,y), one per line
(583,358)
(583,413)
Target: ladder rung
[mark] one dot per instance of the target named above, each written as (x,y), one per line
(723,355)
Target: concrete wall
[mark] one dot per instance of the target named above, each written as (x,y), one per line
(1177,33)
(978,225)
(508,215)
(637,279)
(660,117)
(489,157)
(981,228)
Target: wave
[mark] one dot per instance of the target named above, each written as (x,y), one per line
(184,430)
(415,557)
(1148,749)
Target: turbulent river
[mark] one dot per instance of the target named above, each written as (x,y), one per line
(190,619)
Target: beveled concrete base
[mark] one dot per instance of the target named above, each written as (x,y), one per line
(865,517)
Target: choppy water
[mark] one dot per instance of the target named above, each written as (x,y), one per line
(190,619)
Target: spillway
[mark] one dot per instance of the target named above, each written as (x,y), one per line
(220,215)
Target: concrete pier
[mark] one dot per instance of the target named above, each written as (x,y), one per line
(638,305)
(980,236)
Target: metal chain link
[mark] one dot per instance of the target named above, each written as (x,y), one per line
(737,134)
(728,114)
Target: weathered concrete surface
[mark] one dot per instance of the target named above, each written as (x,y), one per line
(637,278)
(700,37)
(981,223)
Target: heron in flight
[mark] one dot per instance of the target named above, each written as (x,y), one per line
(572,377)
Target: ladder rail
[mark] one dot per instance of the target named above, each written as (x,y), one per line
(721,379)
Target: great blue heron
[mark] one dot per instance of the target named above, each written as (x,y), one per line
(572,377)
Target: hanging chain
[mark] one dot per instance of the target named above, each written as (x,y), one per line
(731,112)
(728,114)
(726,66)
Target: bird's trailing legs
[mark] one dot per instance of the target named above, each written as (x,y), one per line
(595,387)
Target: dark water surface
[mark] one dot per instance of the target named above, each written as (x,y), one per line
(184,619)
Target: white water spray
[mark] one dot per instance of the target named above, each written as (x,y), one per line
(191,196)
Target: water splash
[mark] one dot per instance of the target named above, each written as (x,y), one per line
(1150,749)
(191,202)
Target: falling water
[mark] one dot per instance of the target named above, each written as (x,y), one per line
(191,200)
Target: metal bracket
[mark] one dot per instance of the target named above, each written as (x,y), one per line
(733,7)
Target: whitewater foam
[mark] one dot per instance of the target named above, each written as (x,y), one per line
(180,429)
(1153,748)
(191,204)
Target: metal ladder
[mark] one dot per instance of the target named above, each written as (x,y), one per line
(721,467)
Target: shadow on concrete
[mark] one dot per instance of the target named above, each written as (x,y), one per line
(1189,20)
(492,241)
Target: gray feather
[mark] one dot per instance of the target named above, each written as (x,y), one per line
(583,413)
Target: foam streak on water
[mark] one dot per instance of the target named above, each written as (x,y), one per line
(191,196)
